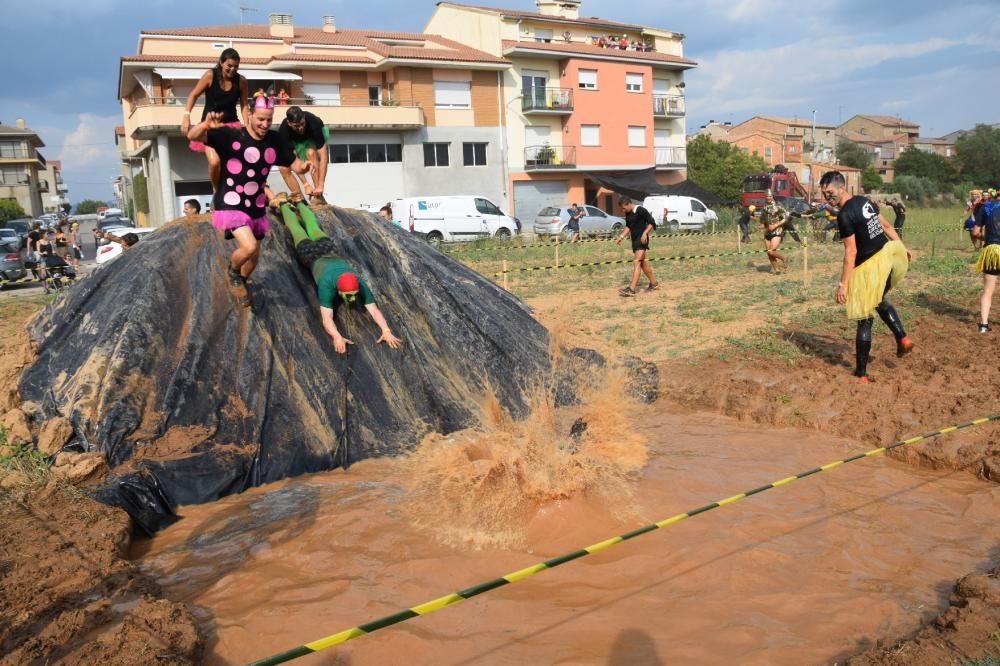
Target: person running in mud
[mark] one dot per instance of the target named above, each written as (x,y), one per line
(638,224)
(975,200)
(772,220)
(308,136)
(225,89)
(744,223)
(875,260)
(335,280)
(900,210)
(987,230)
(239,205)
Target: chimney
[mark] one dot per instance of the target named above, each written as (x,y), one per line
(20,123)
(330,24)
(568,9)
(281,26)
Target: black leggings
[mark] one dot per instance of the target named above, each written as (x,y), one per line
(863,339)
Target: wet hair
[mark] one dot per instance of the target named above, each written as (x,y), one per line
(295,114)
(832,178)
(129,239)
(386,209)
(228,54)
(194,203)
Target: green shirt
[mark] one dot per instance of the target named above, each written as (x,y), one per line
(325,272)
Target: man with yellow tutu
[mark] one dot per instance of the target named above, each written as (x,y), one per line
(875,261)
(986,228)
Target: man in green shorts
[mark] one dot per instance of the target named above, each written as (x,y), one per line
(307,135)
(336,282)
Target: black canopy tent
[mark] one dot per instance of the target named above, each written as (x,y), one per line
(642,183)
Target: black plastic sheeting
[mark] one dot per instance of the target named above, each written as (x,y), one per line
(192,397)
(642,183)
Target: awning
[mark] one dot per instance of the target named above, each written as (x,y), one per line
(194,73)
(637,184)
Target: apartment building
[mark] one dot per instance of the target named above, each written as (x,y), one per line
(798,138)
(55,198)
(22,168)
(582,96)
(410,114)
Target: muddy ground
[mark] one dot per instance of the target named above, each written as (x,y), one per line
(68,594)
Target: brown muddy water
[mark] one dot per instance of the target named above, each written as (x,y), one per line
(803,574)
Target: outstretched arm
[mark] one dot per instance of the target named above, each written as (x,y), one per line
(387,336)
(339,342)
(200,131)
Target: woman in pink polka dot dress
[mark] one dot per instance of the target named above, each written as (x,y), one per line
(248,154)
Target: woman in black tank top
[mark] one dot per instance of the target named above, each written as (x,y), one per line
(225,90)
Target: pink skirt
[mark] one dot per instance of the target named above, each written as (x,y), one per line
(227,220)
(199,147)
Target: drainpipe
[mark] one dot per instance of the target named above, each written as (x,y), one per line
(502,119)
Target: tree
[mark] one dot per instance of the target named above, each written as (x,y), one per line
(853,154)
(870,180)
(979,155)
(916,188)
(913,162)
(88,206)
(719,167)
(10,210)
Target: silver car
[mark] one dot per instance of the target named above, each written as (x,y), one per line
(11,261)
(554,220)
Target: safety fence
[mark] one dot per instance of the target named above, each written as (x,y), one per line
(521,574)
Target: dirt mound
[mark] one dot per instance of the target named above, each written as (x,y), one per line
(191,397)
(68,595)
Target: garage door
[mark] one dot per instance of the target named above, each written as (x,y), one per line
(531,197)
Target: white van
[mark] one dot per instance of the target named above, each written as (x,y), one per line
(678,213)
(454,218)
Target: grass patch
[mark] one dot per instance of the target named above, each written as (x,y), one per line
(763,344)
(23,459)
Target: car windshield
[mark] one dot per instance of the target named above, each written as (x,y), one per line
(756,183)
(549,212)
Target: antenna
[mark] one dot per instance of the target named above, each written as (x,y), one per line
(244,10)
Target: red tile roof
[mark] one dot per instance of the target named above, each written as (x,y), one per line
(583,20)
(119,130)
(578,48)
(435,47)
(889,121)
(206,60)
(794,122)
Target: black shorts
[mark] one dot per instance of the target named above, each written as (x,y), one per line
(309,251)
(574,226)
(637,245)
(770,234)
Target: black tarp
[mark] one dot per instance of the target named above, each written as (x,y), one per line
(191,397)
(636,184)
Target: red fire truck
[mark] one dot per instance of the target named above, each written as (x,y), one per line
(782,183)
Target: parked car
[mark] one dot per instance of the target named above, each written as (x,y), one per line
(110,211)
(678,213)
(111,222)
(21,225)
(11,259)
(453,218)
(554,220)
(9,237)
(112,250)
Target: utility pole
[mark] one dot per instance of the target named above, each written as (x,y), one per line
(813,155)
(244,10)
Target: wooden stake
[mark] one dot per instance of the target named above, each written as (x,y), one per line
(505,287)
(557,251)
(739,240)
(805,264)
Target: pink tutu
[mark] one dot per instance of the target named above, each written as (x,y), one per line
(227,220)
(199,147)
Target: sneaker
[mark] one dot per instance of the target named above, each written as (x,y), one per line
(317,200)
(277,200)
(984,328)
(863,379)
(653,287)
(904,347)
(627,291)
(296,198)
(236,280)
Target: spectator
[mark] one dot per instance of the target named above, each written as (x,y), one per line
(623,43)
(385,212)
(283,97)
(192,207)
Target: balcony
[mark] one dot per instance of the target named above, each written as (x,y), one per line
(10,155)
(549,158)
(43,186)
(550,101)
(668,106)
(670,157)
(163,115)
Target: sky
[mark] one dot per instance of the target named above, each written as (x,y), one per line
(924,60)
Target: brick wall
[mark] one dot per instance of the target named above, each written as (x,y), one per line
(423,92)
(354,88)
(485,99)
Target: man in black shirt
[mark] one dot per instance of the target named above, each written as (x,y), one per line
(744,223)
(900,210)
(638,224)
(308,136)
(875,260)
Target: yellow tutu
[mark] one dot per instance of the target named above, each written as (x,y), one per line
(867,284)
(989,259)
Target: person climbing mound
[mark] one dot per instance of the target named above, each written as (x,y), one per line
(238,208)
(335,281)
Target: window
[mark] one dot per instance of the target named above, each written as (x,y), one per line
(697,206)
(218,46)
(486,207)
(12,175)
(791,150)
(636,136)
(374,95)
(355,153)
(590,135)
(543,35)
(436,154)
(594,212)
(453,94)
(588,79)
(767,153)
(322,94)
(633,82)
(474,154)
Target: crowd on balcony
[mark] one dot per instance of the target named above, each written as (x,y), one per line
(622,43)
